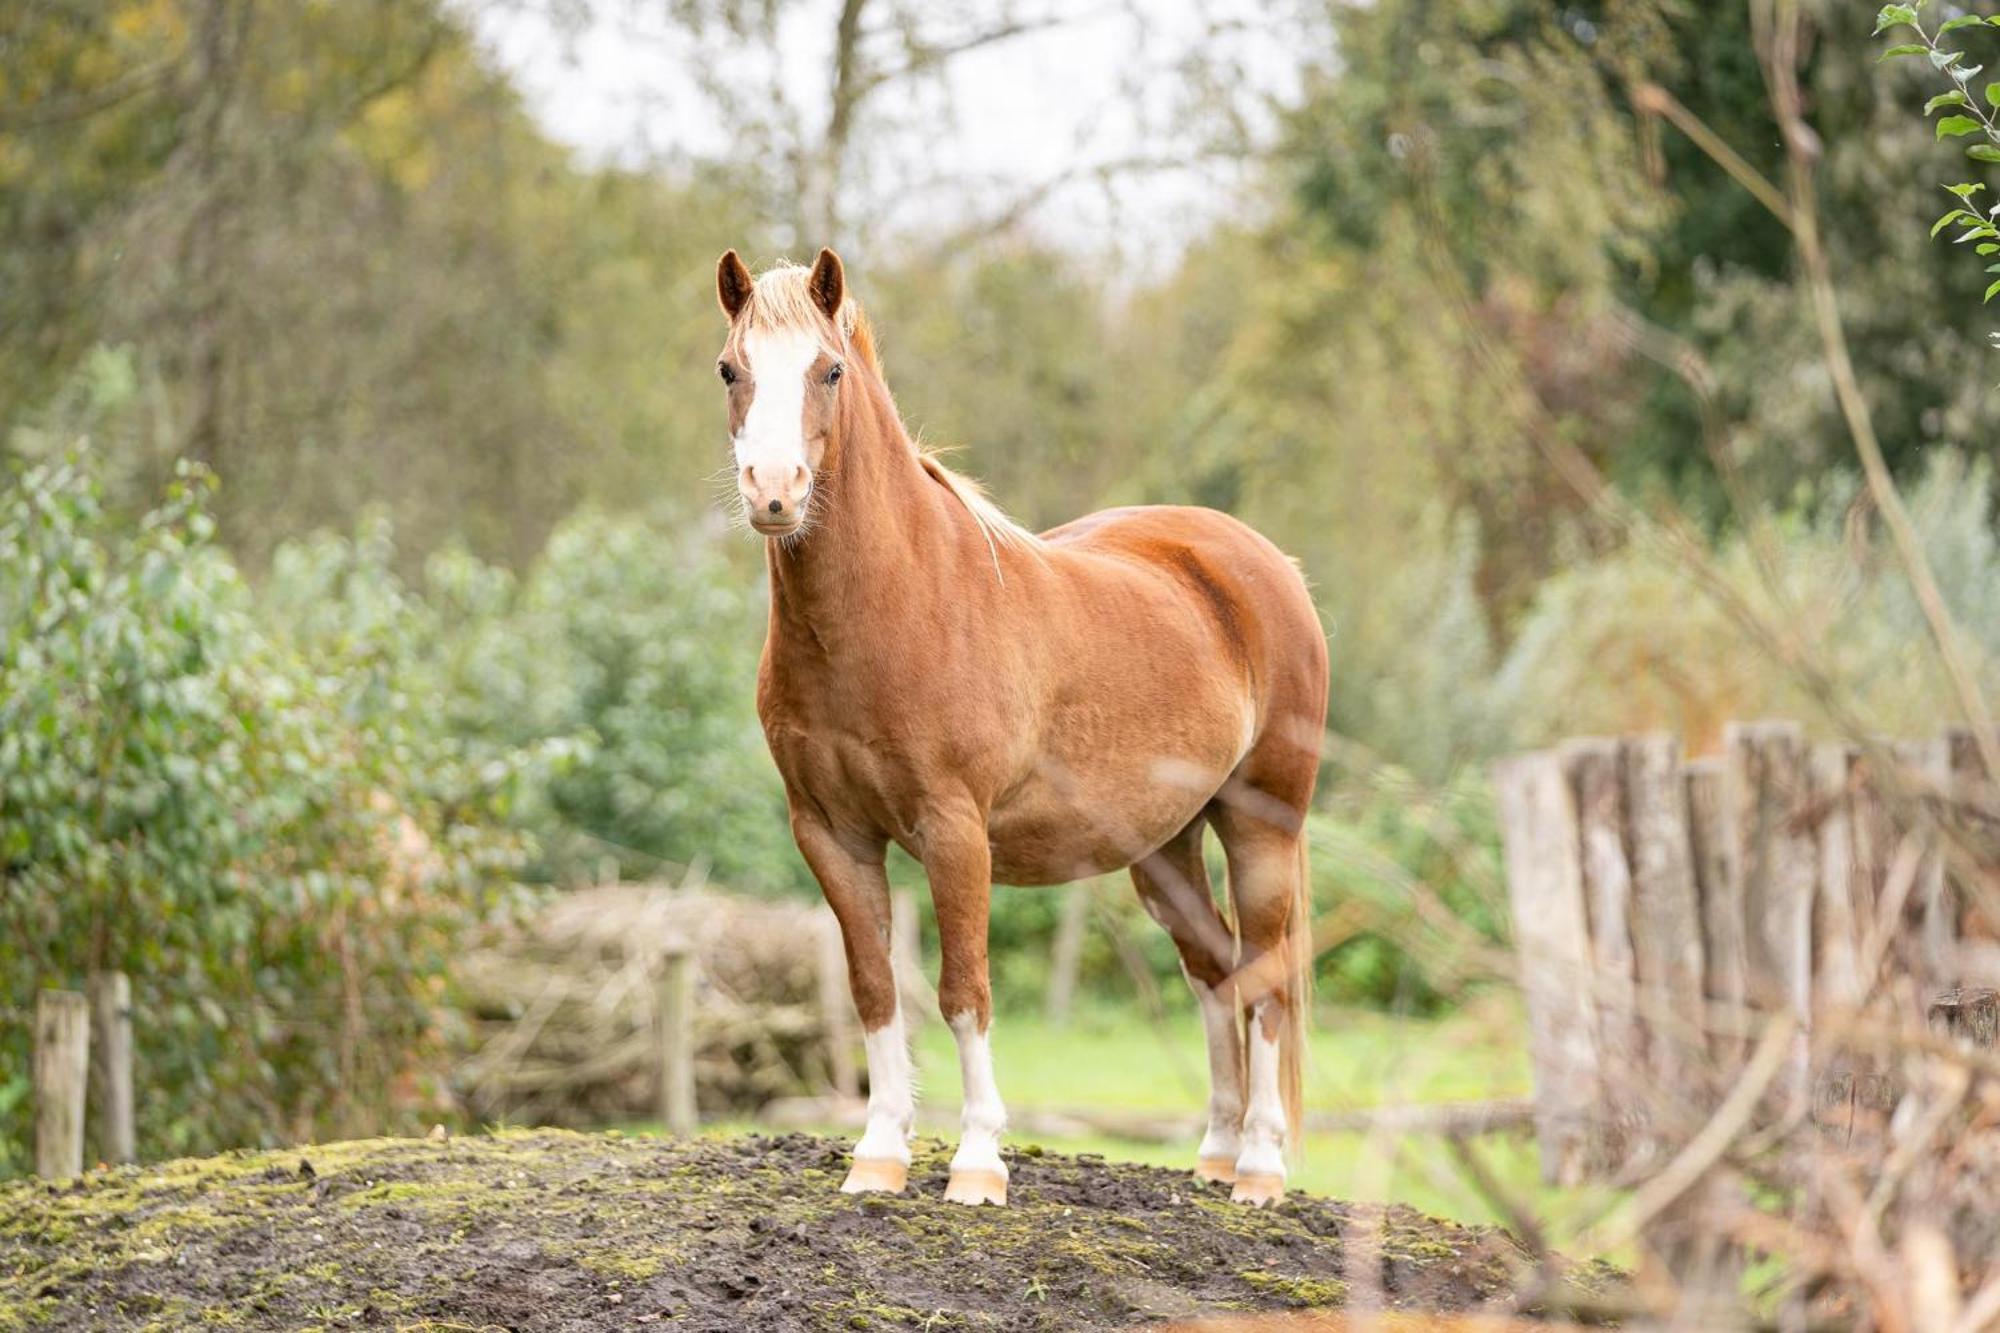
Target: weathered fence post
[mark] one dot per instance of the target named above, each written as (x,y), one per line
(1837,938)
(836,1007)
(1719,889)
(62,1075)
(1066,956)
(111,1065)
(674,1013)
(1666,915)
(1929,781)
(906,956)
(1552,930)
(1969,1016)
(1591,767)
(1779,863)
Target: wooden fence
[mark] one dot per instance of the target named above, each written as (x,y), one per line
(83,1057)
(1665,910)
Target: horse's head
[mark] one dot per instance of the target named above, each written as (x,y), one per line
(790,337)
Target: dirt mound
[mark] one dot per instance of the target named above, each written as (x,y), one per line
(556,1231)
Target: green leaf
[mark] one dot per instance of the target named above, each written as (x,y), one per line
(1953,25)
(1990,290)
(1907,49)
(1956,97)
(1987,248)
(1894,16)
(1956,126)
(1983,152)
(1943,58)
(1965,189)
(1993,94)
(1946,221)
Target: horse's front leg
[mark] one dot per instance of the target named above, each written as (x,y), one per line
(857,888)
(959,864)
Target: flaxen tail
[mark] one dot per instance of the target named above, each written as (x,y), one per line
(1298,997)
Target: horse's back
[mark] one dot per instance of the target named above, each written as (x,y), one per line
(1254,591)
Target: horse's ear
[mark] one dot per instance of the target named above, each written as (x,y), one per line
(828,284)
(732,284)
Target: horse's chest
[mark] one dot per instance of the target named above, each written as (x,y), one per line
(866,773)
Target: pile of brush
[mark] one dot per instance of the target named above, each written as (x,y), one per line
(562,1012)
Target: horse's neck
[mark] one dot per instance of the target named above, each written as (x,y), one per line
(880,541)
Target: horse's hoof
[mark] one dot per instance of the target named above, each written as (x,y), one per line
(1258,1189)
(976,1187)
(876,1175)
(1218,1170)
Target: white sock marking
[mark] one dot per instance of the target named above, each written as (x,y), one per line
(1264,1123)
(1225,1074)
(984,1116)
(892,1098)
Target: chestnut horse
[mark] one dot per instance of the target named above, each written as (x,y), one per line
(1023,709)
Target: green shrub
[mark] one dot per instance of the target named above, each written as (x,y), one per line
(276,843)
(632,646)
(1625,643)
(1416,869)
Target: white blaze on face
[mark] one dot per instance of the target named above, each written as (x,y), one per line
(771,446)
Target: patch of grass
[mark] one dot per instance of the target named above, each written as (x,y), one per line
(1116,1060)
(1303,1291)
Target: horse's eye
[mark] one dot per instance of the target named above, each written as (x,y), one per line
(833,375)
(727,371)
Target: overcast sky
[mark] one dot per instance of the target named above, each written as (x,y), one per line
(1010,117)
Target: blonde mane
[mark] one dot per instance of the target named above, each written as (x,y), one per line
(781,298)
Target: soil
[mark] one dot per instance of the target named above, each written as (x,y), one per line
(548,1230)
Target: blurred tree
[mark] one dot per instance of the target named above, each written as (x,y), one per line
(355,269)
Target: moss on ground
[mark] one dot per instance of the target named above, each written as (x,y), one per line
(548,1230)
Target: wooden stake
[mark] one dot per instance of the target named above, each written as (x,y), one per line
(1066,956)
(1719,894)
(836,1008)
(674,1013)
(62,1076)
(906,959)
(111,1065)
(1779,856)
(1970,1016)
(1928,777)
(1666,915)
(1837,938)
(1591,767)
(1538,826)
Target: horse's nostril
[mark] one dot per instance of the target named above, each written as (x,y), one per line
(777,506)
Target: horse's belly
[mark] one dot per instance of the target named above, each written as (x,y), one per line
(1058,827)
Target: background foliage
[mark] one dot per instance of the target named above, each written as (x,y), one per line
(461,613)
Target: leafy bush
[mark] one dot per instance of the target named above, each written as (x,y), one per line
(632,646)
(1622,643)
(1415,870)
(270,836)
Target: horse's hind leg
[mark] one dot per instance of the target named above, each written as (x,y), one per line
(1261,828)
(1173,888)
